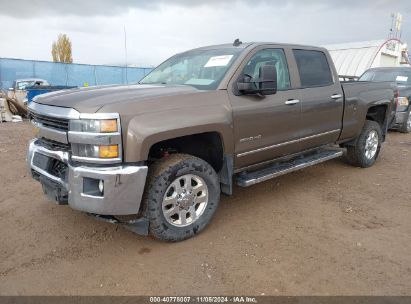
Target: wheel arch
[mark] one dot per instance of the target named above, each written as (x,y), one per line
(209,146)
(379,113)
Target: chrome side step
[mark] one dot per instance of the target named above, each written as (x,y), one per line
(246,179)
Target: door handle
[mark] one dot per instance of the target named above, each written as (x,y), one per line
(292,101)
(336,96)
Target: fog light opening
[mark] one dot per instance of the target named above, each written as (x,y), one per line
(93,186)
(101,186)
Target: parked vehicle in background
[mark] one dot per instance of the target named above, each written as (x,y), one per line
(19,89)
(344,78)
(402,77)
(38,90)
(165,148)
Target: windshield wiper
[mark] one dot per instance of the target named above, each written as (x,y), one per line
(153,82)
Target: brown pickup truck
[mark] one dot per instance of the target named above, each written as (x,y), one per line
(164,149)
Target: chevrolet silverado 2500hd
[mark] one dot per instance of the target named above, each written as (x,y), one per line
(164,149)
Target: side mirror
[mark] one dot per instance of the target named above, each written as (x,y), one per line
(268,79)
(246,85)
(266,84)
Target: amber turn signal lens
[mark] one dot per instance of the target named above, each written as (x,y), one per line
(108,151)
(108,125)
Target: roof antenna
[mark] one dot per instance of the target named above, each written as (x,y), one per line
(237,42)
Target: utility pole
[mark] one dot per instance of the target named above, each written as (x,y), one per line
(125,52)
(392,26)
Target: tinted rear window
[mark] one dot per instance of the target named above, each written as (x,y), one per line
(313,68)
(399,76)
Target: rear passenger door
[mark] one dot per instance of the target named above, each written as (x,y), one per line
(321,98)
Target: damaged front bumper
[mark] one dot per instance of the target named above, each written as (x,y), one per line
(401,117)
(102,191)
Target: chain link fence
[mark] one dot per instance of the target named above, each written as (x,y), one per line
(67,74)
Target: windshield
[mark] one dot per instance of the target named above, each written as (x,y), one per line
(202,69)
(22,85)
(399,76)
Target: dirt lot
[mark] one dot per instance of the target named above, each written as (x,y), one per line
(327,230)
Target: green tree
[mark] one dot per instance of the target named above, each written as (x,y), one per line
(61,49)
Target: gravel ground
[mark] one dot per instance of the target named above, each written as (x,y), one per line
(331,229)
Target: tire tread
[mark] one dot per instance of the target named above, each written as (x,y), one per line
(158,171)
(355,154)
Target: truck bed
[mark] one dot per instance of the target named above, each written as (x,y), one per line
(356,95)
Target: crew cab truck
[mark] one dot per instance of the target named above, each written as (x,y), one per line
(164,149)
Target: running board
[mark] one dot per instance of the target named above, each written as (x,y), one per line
(246,179)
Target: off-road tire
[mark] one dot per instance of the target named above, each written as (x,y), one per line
(356,152)
(160,176)
(405,126)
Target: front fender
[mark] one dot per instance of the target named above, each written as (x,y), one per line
(144,130)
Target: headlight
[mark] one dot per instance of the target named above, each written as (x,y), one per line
(96,138)
(403,101)
(94,125)
(96,151)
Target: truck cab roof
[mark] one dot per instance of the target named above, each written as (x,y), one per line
(245,45)
(30,79)
(400,68)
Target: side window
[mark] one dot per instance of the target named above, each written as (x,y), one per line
(313,68)
(270,56)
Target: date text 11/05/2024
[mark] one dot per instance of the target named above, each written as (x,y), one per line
(204,299)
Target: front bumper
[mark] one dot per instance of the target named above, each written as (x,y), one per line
(401,117)
(123,184)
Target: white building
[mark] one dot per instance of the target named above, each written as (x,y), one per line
(352,59)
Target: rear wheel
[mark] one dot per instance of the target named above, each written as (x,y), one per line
(366,147)
(406,125)
(181,197)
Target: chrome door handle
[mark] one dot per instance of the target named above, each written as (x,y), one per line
(292,101)
(336,96)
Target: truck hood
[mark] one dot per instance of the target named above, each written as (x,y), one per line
(91,99)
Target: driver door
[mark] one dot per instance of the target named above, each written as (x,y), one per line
(265,127)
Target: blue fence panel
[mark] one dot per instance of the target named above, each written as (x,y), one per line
(55,73)
(134,75)
(14,69)
(67,74)
(109,75)
(80,75)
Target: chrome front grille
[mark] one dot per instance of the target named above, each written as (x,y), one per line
(53,134)
(53,145)
(50,122)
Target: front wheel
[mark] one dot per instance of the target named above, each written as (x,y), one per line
(366,147)
(181,197)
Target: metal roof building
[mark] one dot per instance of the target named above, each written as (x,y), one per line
(352,59)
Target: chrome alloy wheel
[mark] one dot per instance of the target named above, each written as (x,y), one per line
(371,144)
(185,200)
